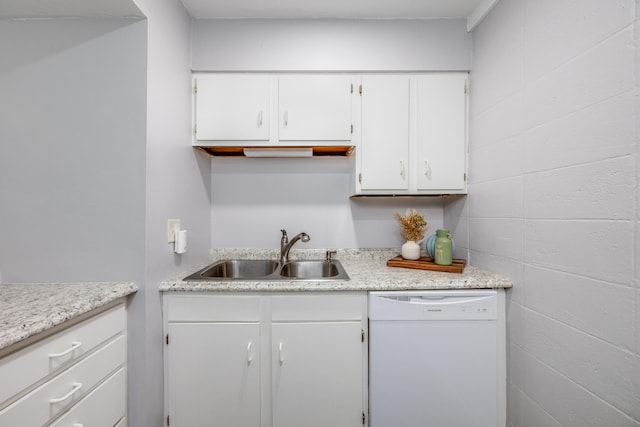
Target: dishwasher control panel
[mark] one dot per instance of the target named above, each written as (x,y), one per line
(433,305)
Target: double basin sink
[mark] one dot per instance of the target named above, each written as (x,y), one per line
(267,269)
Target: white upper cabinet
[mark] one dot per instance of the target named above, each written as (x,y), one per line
(232,107)
(314,108)
(413,136)
(441,131)
(384,152)
(409,130)
(245,109)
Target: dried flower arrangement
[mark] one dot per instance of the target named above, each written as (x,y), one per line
(413,225)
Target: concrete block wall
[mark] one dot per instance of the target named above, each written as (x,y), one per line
(554,203)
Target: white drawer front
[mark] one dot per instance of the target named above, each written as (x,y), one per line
(318,307)
(63,391)
(213,308)
(30,365)
(106,406)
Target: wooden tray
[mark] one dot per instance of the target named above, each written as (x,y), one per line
(426,263)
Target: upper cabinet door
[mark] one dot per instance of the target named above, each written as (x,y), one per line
(384,152)
(441,131)
(314,108)
(232,107)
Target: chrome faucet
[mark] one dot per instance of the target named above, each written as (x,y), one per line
(285,244)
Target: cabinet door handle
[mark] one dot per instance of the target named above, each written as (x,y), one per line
(260,119)
(286,118)
(427,169)
(402,168)
(74,345)
(75,387)
(249,358)
(281,352)
(78,425)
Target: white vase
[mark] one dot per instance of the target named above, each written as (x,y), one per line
(410,250)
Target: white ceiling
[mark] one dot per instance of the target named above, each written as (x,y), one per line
(68,8)
(207,9)
(472,10)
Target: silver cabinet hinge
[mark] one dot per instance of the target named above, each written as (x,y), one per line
(363,419)
(351,87)
(195,87)
(360,90)
(352,128)
(195,129)
(360,178)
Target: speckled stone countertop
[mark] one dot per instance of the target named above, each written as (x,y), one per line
(28,309)
(367,270)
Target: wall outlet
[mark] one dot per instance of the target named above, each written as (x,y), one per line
(173,226)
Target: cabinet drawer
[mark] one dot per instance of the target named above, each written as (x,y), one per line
(212,308)
(103,407)
(30,365)
(318,307)
(58,395)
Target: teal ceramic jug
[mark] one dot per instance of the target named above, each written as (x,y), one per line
(443,251)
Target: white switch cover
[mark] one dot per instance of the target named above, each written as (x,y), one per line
(173,226)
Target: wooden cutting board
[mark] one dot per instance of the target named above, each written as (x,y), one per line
(426,263)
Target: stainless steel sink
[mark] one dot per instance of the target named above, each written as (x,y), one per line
(310,270)
(266,269)
(239,269)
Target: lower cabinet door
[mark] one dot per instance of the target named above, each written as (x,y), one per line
(214,374)
(106,406)
(317,374)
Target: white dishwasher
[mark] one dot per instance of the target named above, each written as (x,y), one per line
(433,359)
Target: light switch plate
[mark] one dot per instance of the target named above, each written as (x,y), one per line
(173,226)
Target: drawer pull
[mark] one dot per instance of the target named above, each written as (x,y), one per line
(76,387)
(249,358)
(74,345)
(281,352)
(77,425)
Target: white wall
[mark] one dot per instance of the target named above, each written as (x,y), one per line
(553,203)
(178,186)
(252,199)
(72,147)
(330,45)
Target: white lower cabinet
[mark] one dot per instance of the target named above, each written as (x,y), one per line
(72,378)
(276,361)
(214,374)
(92,411)
(316,374)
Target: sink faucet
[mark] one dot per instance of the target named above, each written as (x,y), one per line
(285,244)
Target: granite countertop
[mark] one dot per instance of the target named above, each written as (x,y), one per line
(28,309)
(366,267)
